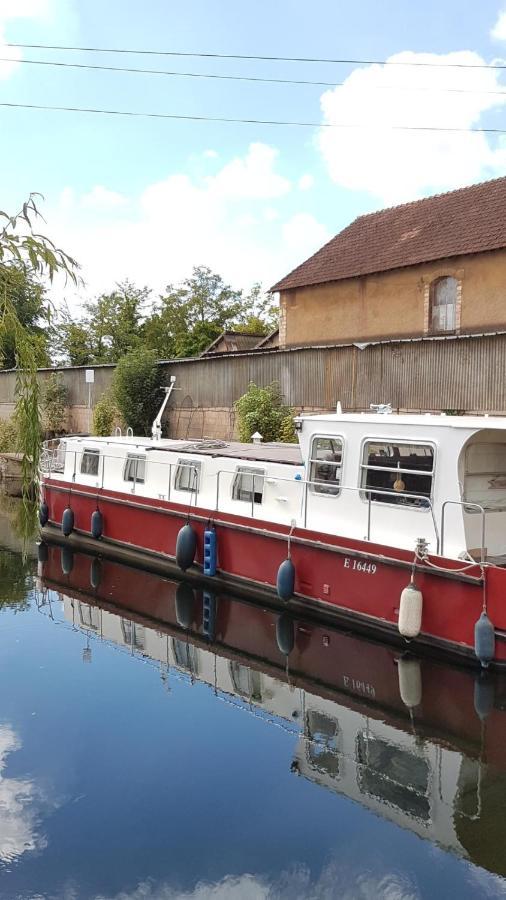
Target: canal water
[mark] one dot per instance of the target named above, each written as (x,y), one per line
(160,742)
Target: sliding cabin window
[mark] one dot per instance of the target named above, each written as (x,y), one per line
(326,465)
(187,477)
(322,746)
(135,468)
(248,484)
(396,469)
(394,775)
(89,462)
(185,656)
(133,634)
(89,616)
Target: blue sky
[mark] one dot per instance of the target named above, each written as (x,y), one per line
(148,199)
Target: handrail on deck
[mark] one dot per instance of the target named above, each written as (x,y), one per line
(306,483)
(302,482)
(464,503)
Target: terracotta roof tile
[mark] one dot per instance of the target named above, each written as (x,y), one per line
(469,220)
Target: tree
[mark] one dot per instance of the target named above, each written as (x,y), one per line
(109,328)
(191,316)
(262,409)
(136,389)
(54,404)
(105,413)
(28,298)
(21,248)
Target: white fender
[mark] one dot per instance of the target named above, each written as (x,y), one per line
(410,682)
(410,611)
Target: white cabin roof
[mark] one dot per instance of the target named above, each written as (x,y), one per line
(424,420)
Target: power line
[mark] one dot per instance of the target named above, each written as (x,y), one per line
(253,78)
(195,118)
(299,59)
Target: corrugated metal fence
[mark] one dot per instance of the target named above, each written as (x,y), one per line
(466,373)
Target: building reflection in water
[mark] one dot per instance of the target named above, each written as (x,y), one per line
(419,743)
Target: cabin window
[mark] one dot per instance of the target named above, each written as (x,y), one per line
(185,656)
(443,304)
(326,465)
(393,775)
(89,615)
(89,462)
(247,683)
(135,468)
(248,484)
(322,747)
(398,471)
(133,634)
(187,476)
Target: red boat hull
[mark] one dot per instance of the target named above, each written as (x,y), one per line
(359,581)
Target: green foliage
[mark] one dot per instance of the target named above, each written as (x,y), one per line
(287,433)
(24,250)
(109,327)
(105,414)
(54,404)
(191,316)
(27,297)
(136,389)
(15,580)
(8,435)
(262,409)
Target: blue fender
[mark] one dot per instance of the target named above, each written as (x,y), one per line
(43,513)
(285,634)
(185,604)
(97,524)
(95,573)
(67,521)
(285,582)
(484,640)
(42,552)
(67,560)
(186,547)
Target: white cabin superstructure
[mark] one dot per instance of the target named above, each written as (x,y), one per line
(387,479)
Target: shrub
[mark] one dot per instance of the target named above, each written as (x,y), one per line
(261,409)
(136,389)
(105,414)
(54,404)
(287,433)
(8,435)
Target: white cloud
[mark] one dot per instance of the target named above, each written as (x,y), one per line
(396,165)
(499,30)
(305,182)
(17,9)
(233,222)
(101,199)
(18,834)
(253,176)
(58,17)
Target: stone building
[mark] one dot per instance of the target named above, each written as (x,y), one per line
(431,267)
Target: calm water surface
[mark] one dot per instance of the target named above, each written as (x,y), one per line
(156,743)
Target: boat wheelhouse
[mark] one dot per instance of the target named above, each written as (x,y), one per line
(366,505)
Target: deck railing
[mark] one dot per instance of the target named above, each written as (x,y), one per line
(53,459)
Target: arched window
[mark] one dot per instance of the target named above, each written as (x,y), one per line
(443,304)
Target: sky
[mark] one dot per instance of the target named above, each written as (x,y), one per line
(147,199)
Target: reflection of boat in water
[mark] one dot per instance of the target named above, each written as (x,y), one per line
(414,741)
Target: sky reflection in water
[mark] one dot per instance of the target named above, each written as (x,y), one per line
(139,761)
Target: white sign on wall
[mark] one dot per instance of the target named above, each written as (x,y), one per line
(90,376)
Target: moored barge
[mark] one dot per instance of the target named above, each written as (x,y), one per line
(395,523)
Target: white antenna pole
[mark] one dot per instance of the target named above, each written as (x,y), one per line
(156,428)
